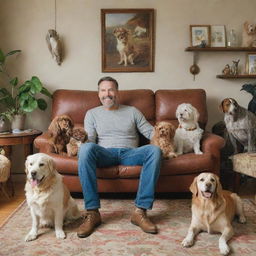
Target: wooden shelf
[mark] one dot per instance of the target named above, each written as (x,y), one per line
(236,76)
(220,49)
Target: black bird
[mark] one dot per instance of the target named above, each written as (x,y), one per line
(251,88)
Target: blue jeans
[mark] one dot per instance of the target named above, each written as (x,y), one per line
(92,156)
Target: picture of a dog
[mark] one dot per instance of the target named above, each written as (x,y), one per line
(124,46)
(163,138)
(48,198)
(213,210)
(249,35)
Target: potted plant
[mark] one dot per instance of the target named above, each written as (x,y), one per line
(19,99)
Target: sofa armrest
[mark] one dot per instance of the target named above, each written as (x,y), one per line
(212,143)
(42,143)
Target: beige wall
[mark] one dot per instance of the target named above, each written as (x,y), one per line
(24,24)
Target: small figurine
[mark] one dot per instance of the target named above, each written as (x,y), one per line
(234,67)
(226,70)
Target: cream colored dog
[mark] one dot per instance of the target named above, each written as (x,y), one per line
(48,198)
(213,210)
(249,35)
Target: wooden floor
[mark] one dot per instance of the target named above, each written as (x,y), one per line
(7,206)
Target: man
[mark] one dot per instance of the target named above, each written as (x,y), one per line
(115,127)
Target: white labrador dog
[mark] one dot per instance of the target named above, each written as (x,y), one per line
(188,134)
(48,198)
(213,210)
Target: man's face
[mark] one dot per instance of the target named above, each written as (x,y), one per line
(108,94)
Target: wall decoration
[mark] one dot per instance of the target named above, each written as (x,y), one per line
(251,63)
(53,40)
(218,36)
(200,35)
(127,40)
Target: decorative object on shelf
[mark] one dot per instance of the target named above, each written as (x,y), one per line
(200,35)
(250,88)
(53,40)
(249,35)
(20,99)
(232,39)
(218,36)
(5,124)
(127,40)
(194,69)
(234,67)
(54,45)
(251,64)
(226,70)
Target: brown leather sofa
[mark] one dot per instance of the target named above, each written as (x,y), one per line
(176,174)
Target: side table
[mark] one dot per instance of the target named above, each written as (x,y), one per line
(25,138)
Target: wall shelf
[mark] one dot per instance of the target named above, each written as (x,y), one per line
(236,76)
(220,49)
(196,51)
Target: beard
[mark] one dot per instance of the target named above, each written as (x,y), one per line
(108,101)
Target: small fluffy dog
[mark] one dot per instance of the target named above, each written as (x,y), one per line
(249,35)
(188,134)
(163,138)
(124,46)
(78,137)
(48,198)
(240,124)
(213,210)
(60,130)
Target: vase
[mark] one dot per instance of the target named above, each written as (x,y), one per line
(5,124)
(18,122)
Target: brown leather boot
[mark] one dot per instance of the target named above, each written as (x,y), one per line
(91,221)
(140,218)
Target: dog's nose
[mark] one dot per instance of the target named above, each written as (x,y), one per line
(33,174)
(208,185)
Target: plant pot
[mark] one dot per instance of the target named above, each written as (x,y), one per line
(18,122)
(5,124)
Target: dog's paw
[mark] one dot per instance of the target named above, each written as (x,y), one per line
(199,152)
(30,236)
(224,249)
(187,242)
(60,234)
(242,219)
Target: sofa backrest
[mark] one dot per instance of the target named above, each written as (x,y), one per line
(76,103)
(167,102)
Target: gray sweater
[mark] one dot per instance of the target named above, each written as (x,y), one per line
(116,128)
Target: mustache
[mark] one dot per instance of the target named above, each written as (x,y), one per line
(107,97)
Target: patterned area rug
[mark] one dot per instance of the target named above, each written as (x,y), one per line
(118,237)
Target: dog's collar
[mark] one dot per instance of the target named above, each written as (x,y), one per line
(188,129)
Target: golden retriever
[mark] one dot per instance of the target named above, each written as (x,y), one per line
(163,138)
(48,198)
(213,210)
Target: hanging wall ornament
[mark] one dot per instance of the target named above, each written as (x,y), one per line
(53,42)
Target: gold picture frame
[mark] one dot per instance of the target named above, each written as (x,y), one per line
(251,63)
(200,35)
(127,40)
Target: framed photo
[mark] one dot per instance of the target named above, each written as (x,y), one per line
(251,63)
(200,35)
(127,40)
(218,36)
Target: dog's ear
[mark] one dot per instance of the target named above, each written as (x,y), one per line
(218,187)
(196,114)
(246,25)
(54,127)
(221,109)
(51,164)
(26,165)
(172,131)
(193,187)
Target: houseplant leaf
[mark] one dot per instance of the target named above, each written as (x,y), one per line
(12,52)
(14,81)
(2,57)
(46,92)
(36,85)
(29,104)
(42,104)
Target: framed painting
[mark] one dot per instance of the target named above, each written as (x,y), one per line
(127,40)
(251,63)
(200,35)
(218,36)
